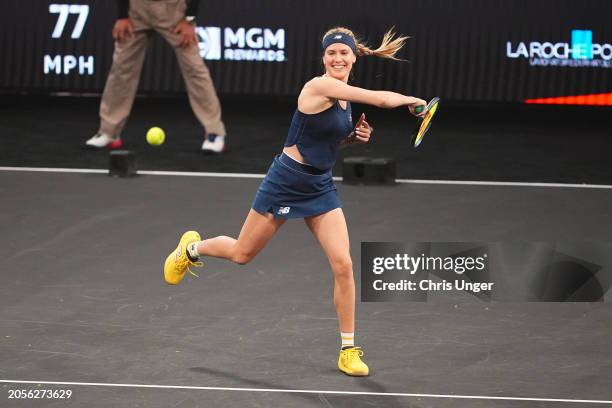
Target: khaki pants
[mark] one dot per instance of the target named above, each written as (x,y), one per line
(161,16)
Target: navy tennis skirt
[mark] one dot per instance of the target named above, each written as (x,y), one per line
(294,190)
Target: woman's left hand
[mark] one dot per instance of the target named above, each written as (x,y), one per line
(363,133)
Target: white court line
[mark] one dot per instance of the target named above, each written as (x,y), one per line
(200,174)
(259,176)
(502,183)
(289,391)
(143,172)
(53,170)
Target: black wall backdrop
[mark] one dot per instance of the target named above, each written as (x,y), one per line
(460,49)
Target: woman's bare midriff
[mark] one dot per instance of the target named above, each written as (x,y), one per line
(294,153)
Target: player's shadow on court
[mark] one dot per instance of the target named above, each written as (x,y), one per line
(325,400)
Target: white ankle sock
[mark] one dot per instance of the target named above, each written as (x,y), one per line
(192,250)
(348,339)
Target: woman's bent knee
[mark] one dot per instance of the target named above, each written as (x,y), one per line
(242,258)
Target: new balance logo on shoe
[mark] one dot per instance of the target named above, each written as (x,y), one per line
(283,210)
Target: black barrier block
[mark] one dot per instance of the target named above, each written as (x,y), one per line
(368,170)
(122,163)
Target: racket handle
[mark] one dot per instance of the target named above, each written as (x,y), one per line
(419,109)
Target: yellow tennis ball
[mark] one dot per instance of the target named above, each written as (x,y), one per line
(156,136)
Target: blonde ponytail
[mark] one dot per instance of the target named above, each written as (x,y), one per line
(387,48)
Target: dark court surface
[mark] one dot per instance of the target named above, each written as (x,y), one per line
(83,300)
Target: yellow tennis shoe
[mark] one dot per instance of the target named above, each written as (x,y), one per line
(350,362)
(177,263)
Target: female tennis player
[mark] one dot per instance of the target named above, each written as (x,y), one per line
(299,182)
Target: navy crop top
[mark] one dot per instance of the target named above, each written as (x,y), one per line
(318,135)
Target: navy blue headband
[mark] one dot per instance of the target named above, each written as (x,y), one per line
(338,37)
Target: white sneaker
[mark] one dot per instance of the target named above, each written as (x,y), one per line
(214,144)
(100,140)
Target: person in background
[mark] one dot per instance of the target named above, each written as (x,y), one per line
(175,21)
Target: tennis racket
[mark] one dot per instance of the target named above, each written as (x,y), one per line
(424,124)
